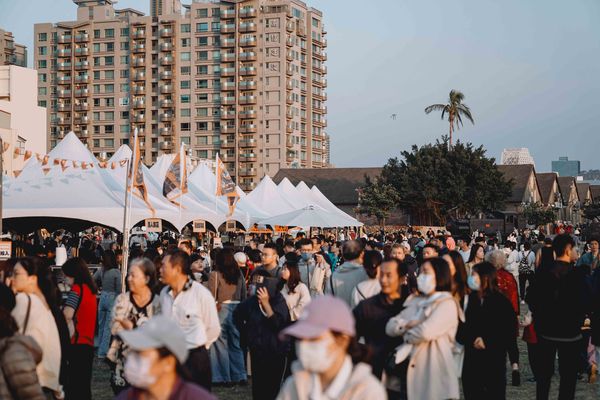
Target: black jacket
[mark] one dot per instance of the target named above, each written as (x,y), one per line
(494,321)
(259,332)
(559,299)
(371,316)
(595,307)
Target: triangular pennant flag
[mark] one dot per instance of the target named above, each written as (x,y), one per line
(113,165)
(57,161)
(91,165)
(175,184)
(75,165)
(122,163)
(5,147)
(17,173)
(45,160)
(38,156)
(102,164)
(84,165)
(137,174)
(226,186)
(46,170)
(17,153)
(63,165)
(27,155)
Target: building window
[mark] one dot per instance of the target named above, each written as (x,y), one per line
(110,101)
(202,69)
(315,22)
(96,33)
(216,26)
(185,127)
(109,33)
(124,32)
(96,61)
(110,46)
(202,98)
(97,142)
(42,64)
(109,88)
(42,50)
(186,70)
(202,84)
(42,103)
(185,139)
(124,73)
(109,75)
(202,55)
(202,153)
(202,140)
(185,84)
(125,114)
(42,37)
(109,129)
(202,27)
(201,126)
(42,91)
(202,41)
(96,47)
(42,77)
(186,112)
(185,28)
(109,142)
(186,56)
(109,60)
(202,112)
(202,13)
(124,128)
(109,116)
(185,42)
(216,55)
(96,76)
(125,60)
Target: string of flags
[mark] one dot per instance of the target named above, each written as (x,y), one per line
(64,163)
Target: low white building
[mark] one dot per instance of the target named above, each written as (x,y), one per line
(22,121)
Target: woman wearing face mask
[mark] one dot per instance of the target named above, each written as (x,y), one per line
(296,293)
(428,326)
(80,312)
(330,359)
(35,297)
(154,363)
(489,335)
(131,310)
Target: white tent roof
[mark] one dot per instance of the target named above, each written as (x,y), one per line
(292,195)
(310,216)
(267,196)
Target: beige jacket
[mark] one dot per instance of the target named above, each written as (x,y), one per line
(432,343)
(361,385)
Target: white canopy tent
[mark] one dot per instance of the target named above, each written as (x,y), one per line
(309,217)
(267,196)
(293,196)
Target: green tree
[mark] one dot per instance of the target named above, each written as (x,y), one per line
(456,110)
(435,183)
(537,215)
(377,199)
(591,211)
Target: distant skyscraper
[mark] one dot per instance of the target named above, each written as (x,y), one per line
(566,167)
(518,156)
(11,53)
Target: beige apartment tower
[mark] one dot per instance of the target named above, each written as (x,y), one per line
(242,78)
(11,53)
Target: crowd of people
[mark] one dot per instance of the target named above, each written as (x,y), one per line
(406,315)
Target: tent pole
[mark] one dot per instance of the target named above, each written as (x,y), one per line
(125,246)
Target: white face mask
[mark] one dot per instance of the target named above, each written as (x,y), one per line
(137,371)
(426,283)
(314,355)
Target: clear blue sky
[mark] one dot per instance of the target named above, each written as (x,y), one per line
(530,71)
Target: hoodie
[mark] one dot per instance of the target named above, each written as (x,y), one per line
(19,356)
(361,385)
(344,280)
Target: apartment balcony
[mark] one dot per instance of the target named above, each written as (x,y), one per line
(63,121)
(139,34)
(82,120)
(228,85)
(63,107)
(228,13)
(139,76)
(166,117)
(289,142)
(64,66)
(227,57)
(138,62)
(227,157)
(228,71)
(289,56)
(247,143)
(82,37)
(166,32)
(166,75)
(139,118)
(63,93)
(247,85)
(62,53)
(166,103)
(248,71)
(139,103)
(290,26)
(320,110)
(166,46)
(290,158)
(82,78)
(248,114)
(248,12)
(289,85)
(248,99)
(289,42)
(166,89)
(228,114)
(228,100)
(289,100)
(289,71)
(228,129)
(324,42)
(65,38)
(247,27)
(138,89)
(81,65)
(248,128)
(82,52)
(139,48)
(168,60)
(83,133)
(164,146)
(165,131)
(247,186)
(228,144)
(141,131)
(248,56)
(248,41)
(246,172)
(289,128)
(64,80)
(301,30)
(227,28)
(288,113)
(228,42)
(247,157)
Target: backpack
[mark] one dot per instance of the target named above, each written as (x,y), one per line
(524,267)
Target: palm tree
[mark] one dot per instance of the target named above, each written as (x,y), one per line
(455,110)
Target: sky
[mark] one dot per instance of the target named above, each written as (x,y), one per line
(530,72)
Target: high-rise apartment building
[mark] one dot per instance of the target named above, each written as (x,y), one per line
(242,78)
(517,156)
(566,167)
(11,53)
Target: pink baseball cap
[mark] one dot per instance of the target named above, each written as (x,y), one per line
(325,313)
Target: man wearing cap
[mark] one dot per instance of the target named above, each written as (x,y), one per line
(157,350)
(193,308)
(325,340)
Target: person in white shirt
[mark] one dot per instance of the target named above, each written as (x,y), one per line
(193,308)
(296,293)
(365,289)
(464,249)
(513,259)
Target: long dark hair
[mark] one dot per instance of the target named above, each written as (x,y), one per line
(443,279)
(291,263)
(38,267)
(77,269)
(371,263)
(488,278)
(358,352)
(460,276)
(226,265)
(109,260)
(474,250)
(8,325)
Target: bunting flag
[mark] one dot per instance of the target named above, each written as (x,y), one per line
(226,186)
(46,170)
(63,165)
(5,147)
(45,160)
(137,174)
(175,184)
(17,153)
(27,156)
